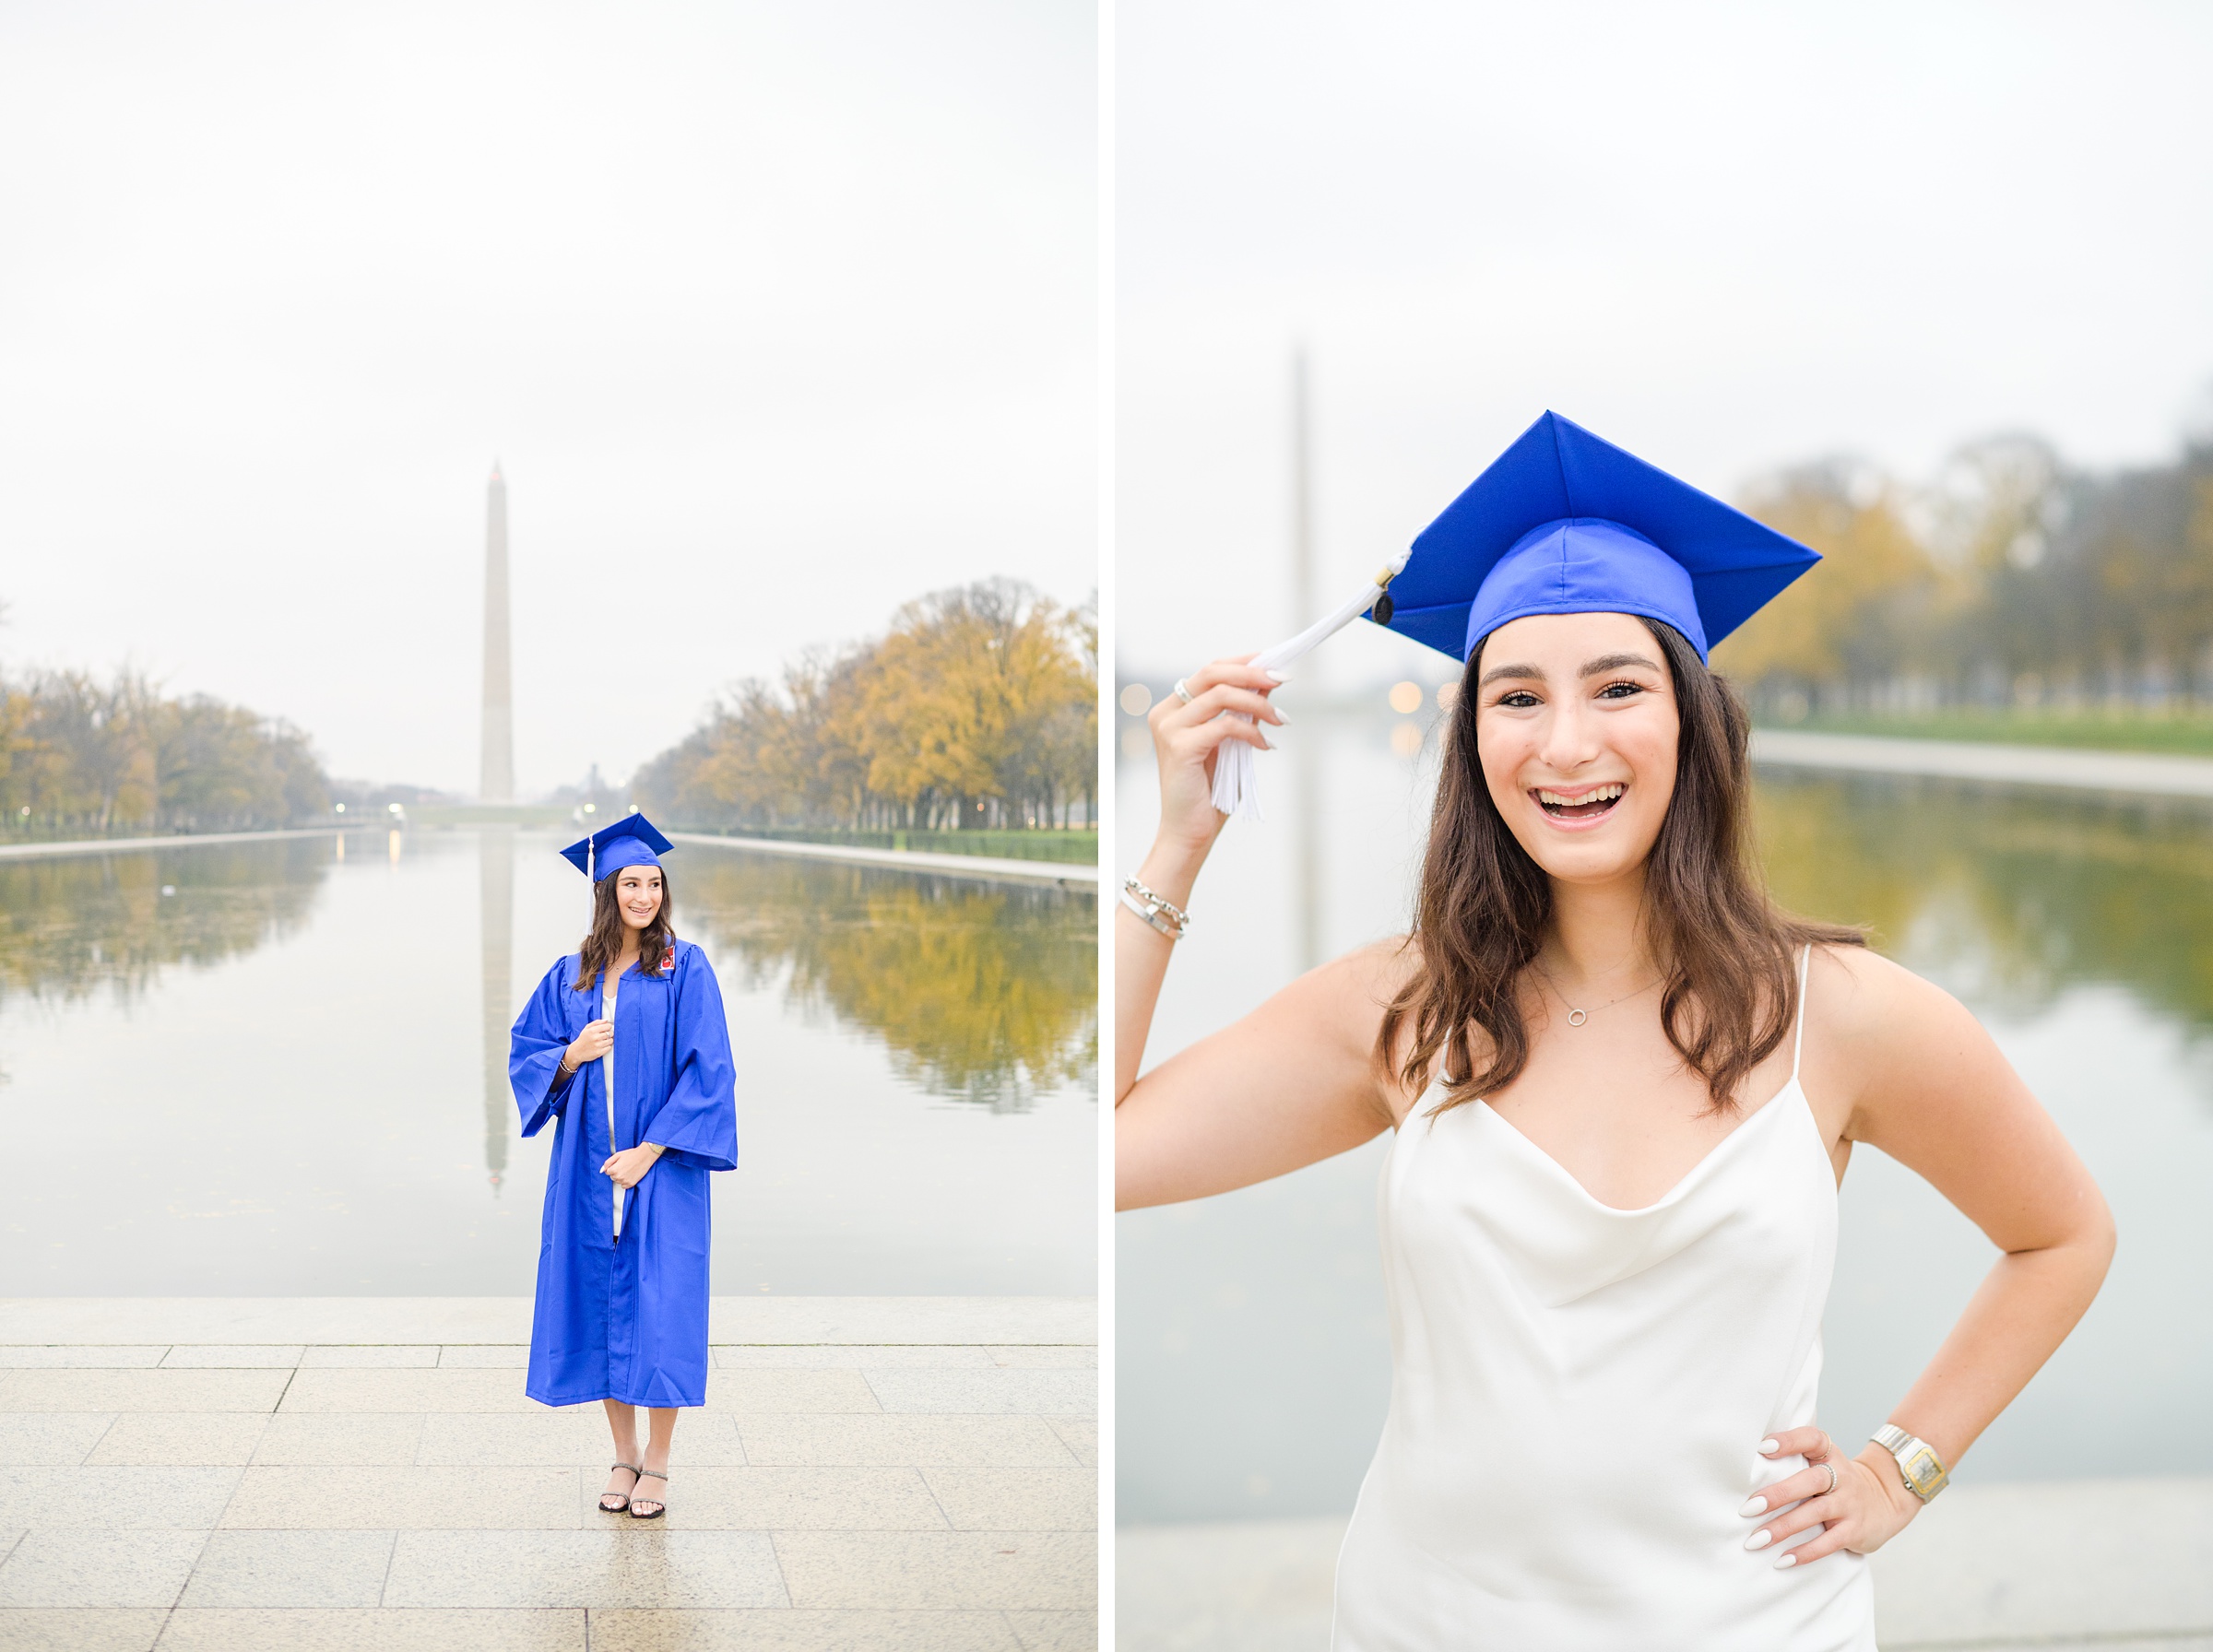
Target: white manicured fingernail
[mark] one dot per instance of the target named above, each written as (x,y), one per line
(1281,715)
(1281,676)
(1758,1505)
(1782,1561)
(1770,1448)
(1759,1540)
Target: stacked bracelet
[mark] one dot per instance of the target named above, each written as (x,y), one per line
(1160,911)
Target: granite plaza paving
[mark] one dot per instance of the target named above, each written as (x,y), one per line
(366,1473)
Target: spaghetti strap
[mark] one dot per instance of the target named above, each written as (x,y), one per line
(1805,956)
(1717,1342)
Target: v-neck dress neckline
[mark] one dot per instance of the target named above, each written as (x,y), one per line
(1579,1393)
(1790,1096)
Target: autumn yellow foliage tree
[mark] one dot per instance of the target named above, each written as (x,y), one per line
(78,755)
(978,707)
(2010,579)
(1863,612)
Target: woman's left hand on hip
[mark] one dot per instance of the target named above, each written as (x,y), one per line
(629,1167)
(1864,1509)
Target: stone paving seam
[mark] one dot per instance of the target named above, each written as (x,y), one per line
(385,1588)
(1085,1456)
(104,1432)
(943,1514)
(81,1356)
(284,1356)
(198,1554)
(220,1516)
(235,1489)
(41,1428)
(782,1578)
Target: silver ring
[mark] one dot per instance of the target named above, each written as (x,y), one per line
(1181,692)
(1831,1466)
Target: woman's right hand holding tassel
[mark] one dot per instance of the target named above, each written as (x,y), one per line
(1187,736)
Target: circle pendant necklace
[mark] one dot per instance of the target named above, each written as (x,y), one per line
(1576,1018)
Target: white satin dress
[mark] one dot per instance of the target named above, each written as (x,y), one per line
(1578,1393)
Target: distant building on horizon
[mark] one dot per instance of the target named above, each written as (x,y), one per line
(496,781)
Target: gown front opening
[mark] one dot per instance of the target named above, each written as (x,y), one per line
(621,1305)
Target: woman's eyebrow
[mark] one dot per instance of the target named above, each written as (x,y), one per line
(1496,672)
(1614,661)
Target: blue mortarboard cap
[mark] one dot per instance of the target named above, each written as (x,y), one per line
(633,841)
(1562,523)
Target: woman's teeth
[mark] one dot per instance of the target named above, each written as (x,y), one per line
(1597,801)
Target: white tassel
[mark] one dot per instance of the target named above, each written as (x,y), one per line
(1236,782)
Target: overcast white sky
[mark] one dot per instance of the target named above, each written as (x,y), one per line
(1724,236)
(777,315)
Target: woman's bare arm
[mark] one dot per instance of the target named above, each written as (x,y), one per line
(1937,1095)
(1292,1082)
(1927,1084)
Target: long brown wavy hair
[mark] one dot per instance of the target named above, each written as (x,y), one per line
(1730,985)
(604,944)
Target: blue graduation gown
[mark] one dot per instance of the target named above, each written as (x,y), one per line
(627,1319)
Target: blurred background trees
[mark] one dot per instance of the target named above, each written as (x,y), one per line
(83,755)
(2011,581)
(978,709)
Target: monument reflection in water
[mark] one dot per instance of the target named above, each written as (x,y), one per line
(495,929)
(1254,1365)
(280,1068)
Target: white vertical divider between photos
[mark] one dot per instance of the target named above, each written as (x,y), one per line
(1110,855)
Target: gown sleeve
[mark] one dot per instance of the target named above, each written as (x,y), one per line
(698,1123)
(534,1054)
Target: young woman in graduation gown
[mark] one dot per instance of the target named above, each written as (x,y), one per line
(625,1046)
(1623,1088)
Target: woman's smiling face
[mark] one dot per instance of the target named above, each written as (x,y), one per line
(638,894)
(1576,728)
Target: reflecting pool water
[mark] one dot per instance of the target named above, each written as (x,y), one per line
(1254,1358)
(280,1068)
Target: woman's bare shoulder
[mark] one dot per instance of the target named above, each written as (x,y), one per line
(1335,1010)
(1344,1001)
(1352,990)
(1862,998)
(1892,1035)
(1383,967)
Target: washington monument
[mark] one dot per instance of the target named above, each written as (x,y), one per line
(496,784)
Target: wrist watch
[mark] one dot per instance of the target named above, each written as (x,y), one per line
(1917,1461)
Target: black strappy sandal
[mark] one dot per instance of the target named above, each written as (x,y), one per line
(614,1502)
(658,1508)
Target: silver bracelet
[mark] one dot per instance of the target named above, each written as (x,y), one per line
(1157,910)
